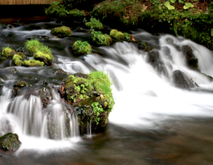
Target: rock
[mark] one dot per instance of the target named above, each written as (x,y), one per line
(82,48)
(62,31)
(18,87)
(91,97)
(9,142)
(43,57)
(191,60)
(32,63)
(144,46)
(182,80)
(153,58)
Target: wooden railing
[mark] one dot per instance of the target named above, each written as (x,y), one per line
(26,2)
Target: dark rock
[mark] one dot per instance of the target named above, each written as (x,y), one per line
(9,142)
(144,46)
(191,60)
(10,34)
(182,80)
(154,59)
(20,49)
(18,87)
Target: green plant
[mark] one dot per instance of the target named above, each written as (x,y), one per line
(127,36)
(94,23)
(77,13)
(97,109)
(17,59)
(101,39)
(7,52)
(44,57)
(82,47)
(32,63)
(33,45)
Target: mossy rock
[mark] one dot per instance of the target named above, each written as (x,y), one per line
(43,57)
(94,24)
(82,48)
(91,96)
(144,46)
(101,39)
(9,142)
(32,63)
(8,52)
(17,59)
(117,34)
(19,86)
(77,13)
(62,31)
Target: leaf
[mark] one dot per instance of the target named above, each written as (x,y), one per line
(188,5)
(173,1)
(132,38)
(62,89)
(170,7)
(212,32)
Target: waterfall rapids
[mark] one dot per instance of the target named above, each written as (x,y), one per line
(142,96)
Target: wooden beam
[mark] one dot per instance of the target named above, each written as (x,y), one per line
(3,2)
(26,2)
(19,2)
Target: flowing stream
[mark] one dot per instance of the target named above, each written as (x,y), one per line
(152,122)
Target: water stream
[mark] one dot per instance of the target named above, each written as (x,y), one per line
(152,122)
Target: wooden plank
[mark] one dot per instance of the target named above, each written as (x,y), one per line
(3,2)
(26,2)
(34,2)
(19,2)
(43,2)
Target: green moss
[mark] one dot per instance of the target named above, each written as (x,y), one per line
(17,59)
(82,47)
(9,142)
(62,31)
(94,24)
(101,39)
(127,36)
(32,63)
(90,93)
(56,9)
(7,52)
(117,34)
(77,13)
(44,57)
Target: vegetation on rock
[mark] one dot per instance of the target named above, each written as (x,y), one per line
(94,24)
(91,95)
(9,142)
(101,39)
(17,59)
(62,31)
(43,57)
(7,52)
(32,63)
(82,47)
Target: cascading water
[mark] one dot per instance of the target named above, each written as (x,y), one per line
(143,97)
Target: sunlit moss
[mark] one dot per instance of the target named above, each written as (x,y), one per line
(62,31)
(82,47)
(32,63)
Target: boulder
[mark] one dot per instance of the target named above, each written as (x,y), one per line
(62,31)
(9,142)
(91,97)
(18,87)
(182,80)
(191,60)
(153,58)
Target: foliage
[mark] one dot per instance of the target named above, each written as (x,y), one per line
(101,39)
(94,23)
(7,52)
(127,36)
(62,31)
(77,13)
(17,59)
(34,46)
(82,47)
(56,9)
(32,63)
(44,57)
(91,92)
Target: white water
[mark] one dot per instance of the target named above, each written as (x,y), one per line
(142,97)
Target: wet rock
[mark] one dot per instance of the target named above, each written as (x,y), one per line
(144,46)
(10,34)
(13,71)
(18,87)
(9,142)
(20,49)
(182,80)
(191,60)
(153,58)
(45,95)
(59,72)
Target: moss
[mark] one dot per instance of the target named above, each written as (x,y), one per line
(32,63)
(91,94)
(82,47)
(101,39)
(9,142)
(77,13)
(127,36)
(34,46)
(41,56)
(94,24)
(117,34)
(7,52)
(17,59)
(62,31)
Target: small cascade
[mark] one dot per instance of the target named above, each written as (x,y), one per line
(55,122)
